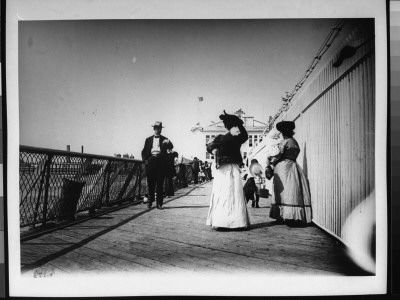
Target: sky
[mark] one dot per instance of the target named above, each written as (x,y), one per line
(101,84)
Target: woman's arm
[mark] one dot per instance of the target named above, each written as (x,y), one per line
(243,136)
(214,144)
(282,147)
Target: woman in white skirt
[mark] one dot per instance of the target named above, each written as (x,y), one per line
(228,204)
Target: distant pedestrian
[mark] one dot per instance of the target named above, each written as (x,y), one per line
(171,173)
(207,171)
(251,191)
(228,207)
(182,173)
(202,175)
(154,155)
(196,170)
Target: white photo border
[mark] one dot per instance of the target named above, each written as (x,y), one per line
(18,10)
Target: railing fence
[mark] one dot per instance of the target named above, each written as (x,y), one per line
(55,184)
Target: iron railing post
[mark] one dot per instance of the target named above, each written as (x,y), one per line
(108,184)
(36,211)
(103,187)
(139,181)
(126,183)
(47,187)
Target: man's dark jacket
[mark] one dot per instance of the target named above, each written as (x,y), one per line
(146,152)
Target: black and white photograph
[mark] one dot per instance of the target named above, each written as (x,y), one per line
(216,148)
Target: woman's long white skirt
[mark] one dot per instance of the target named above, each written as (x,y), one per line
(228,207)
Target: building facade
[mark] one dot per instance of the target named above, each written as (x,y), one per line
(203,135)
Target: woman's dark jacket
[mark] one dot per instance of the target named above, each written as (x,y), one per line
(228,147)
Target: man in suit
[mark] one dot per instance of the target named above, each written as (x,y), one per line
(155,157)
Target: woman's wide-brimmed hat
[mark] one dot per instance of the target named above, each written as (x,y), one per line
(157,124)
(285,126)
(256,170)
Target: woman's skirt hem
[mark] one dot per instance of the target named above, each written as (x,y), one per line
(290,213)
(215,226)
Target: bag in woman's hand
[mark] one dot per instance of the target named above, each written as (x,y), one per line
(264,193)
(269,172)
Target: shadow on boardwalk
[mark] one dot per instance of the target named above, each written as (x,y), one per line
(137,239)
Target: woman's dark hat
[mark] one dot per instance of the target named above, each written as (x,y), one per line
(229,120)
(285,126)
(224,116)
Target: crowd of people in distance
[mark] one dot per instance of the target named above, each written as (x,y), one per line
(201,171)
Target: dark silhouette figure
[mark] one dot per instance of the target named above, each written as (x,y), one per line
(171,173)
(196,170)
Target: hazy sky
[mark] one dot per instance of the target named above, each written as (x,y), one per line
(101,84)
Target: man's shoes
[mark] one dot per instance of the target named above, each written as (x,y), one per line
(257,206)
(149,204)
(160,207)
(253,203)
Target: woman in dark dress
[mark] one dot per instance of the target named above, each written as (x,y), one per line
(291,189)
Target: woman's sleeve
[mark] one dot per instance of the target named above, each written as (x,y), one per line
(282,148)
(243,136)
(283,145)
(214,144)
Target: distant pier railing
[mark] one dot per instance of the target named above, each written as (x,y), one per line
(54,185)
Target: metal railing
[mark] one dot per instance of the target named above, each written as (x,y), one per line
(54,185)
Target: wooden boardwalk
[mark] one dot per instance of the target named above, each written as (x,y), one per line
(137,239)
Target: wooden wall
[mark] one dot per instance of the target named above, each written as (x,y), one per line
(335,127)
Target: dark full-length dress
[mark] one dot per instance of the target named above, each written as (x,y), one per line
(291,188)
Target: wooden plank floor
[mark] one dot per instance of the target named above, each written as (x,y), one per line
(137,239)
